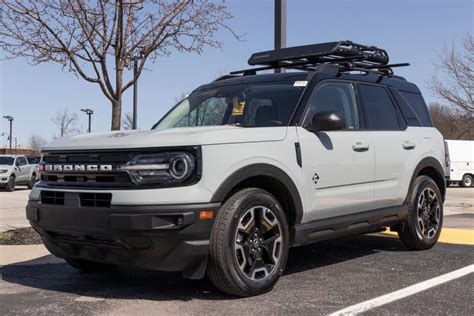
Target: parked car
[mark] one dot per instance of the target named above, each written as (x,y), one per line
(247,166)
(461,162)
(15,170)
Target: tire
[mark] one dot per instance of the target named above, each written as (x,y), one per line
(90,266)
(10,187)
(466,181)
(240,237)
(32,182)
(425,215)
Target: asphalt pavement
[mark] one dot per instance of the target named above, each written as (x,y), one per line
(320,279)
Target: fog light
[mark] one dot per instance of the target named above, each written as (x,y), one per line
(206,215)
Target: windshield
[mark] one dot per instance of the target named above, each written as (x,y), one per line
(6,160)
(245,105)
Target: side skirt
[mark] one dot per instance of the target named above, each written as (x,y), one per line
(346,225)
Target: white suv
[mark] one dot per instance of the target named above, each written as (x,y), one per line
(248,166)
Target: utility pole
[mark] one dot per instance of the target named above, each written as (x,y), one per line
(280,27)
(10,119)
(136,58)
(89,112)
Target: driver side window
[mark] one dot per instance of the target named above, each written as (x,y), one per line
(334,97)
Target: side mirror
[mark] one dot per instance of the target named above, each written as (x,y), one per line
(327,121)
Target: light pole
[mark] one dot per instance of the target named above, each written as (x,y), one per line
(280,27)
(89,112)
(136,58)
(10,119)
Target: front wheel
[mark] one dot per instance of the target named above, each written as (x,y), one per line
(10,187)
(466,181)
(249,244)
(425,215)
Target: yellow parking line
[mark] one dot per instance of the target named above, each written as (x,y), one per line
(452,236)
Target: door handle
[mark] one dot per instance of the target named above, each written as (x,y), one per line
(408,145)
(360,147)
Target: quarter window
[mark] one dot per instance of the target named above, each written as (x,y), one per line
(379,110)
(334,97)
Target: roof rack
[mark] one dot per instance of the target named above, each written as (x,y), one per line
(331,56)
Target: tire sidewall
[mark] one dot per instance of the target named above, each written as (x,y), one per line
(32,182)
(421,184)
(256,198)
(464,179)
(11,184)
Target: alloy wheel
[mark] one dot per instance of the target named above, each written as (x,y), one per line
(428,213)
(258,243)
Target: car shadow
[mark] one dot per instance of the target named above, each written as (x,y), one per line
(127,283)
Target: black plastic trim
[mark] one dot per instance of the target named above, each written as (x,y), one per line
(351,224)
(260,170)
(428,162)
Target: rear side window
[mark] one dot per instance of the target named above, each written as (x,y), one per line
(416,102)
(379,110)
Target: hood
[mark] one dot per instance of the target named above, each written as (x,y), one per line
(186,136)
(5,166)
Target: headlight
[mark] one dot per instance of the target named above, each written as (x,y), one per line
(3,170)
(163,168)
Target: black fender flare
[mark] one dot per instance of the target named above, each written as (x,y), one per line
(261,169)
(433,163)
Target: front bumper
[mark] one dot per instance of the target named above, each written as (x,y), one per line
(166,238)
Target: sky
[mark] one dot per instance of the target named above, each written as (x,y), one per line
(411,31)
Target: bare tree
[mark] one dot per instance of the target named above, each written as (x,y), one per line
(66,122)
(457,69)
(127,121)
(451,122)
(36,142)
(99,39)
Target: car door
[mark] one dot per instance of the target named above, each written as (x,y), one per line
(396,146)
(23,171)
(338,166)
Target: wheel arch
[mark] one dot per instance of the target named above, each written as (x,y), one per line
(432,168)
(267,177)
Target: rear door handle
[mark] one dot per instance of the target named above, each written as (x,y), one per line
(408,145)
(360,147)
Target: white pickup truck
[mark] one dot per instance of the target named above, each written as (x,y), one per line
(16,170)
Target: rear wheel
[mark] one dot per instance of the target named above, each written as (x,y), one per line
(90,266)
(249,244)
(425,217)
(10,187)
(32,182)
(466,181)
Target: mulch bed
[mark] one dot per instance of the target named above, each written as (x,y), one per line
(22,236)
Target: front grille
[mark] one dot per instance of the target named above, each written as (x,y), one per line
(75,199)
(95,199)
(102,241)
(78,179)
(52,197)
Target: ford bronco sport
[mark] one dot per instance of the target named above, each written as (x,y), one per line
(246,167)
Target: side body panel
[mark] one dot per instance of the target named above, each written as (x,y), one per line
(343,182)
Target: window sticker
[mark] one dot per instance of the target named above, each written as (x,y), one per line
(301,83)
(238,108)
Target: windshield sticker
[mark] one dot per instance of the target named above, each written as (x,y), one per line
(238,108)
(301,83)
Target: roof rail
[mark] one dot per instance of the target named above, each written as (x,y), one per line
(345,55)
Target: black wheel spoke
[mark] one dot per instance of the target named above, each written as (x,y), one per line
(428,213)
(257,238)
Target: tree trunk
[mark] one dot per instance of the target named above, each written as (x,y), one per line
(116,114)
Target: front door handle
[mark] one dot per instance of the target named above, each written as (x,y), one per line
(408,145)
(360,147)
